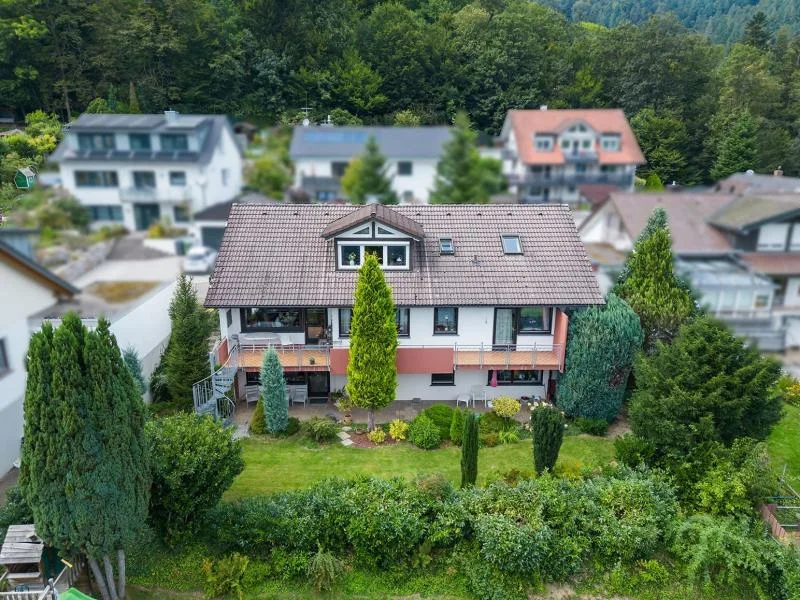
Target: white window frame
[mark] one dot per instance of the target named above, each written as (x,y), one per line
(610,143)
(361,254)
(768,237)
(543,143)
(510,236)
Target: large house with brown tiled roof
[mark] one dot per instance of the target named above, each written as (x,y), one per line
(548,154)
(481,295)
(742,252)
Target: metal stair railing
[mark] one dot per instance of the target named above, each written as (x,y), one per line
(207,394)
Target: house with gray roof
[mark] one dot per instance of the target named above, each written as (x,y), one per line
(138,169)
(321,155)
(481,295)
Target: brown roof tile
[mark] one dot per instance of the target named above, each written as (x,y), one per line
(275,255)
(751,209)
(773,263)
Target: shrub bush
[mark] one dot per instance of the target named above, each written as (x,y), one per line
(15,511)
(633,451)
(547,425)
(491,422)
(224,577)
(789,389)
(323,570)
(320,429)
(490,439)
(592,426)
(442,417)
(424,433)
(377,436)
(194,461)
(292,427)
(457,427)
(398,430)
(505,406)
(258,424)
(510,436)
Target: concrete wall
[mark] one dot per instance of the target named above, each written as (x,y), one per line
(95,254)
(605,227)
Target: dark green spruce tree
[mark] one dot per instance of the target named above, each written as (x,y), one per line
(186,360)
(460,172)
(371,179)
(469,450)
(372,368)
(273,392)
(547,426)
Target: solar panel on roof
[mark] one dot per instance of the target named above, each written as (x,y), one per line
(335,137)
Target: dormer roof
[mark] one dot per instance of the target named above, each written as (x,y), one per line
(374,212)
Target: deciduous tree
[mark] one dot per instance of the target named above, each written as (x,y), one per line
(372,370)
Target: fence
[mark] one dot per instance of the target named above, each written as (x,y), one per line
(65,579)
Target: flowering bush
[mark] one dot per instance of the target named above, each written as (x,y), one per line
(505,406)
(398,430)
(377,436)
(789,388)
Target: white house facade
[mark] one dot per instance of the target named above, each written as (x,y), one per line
(481,294)
(549,154)
(138,169)
(34,290)
(321,156)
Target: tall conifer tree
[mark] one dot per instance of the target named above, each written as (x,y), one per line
(460,172)
(371,370)
(469,450)
(273,392)
(367,176)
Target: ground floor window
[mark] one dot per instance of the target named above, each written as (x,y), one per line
(105,213)
(181,214)
(515,377)
(4,365)
(443,378)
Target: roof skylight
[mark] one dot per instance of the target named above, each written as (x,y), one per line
(446,246)
(511,244)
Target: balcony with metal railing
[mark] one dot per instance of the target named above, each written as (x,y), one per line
(545,179)
(154,194)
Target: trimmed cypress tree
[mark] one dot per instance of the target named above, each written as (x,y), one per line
(547,426)
(603,342)
(460,173)
(86,435)
(650,286)
(186,359)
(372,368)
(469,450)
(134,365)
(273,392)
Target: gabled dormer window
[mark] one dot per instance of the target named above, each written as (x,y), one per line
(543,143)
(610,143)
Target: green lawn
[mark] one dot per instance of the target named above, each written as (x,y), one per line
(784,445)
(273,465)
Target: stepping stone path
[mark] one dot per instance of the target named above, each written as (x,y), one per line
(344,436)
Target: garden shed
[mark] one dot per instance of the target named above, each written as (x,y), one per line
(24,178)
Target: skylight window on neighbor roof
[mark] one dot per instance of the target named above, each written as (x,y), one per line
(511,244)
(446,246)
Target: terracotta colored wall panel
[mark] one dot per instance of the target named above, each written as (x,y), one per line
(424,360)
(222,352)
(339,358)
(560,334)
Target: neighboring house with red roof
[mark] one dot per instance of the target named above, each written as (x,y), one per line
(28,289)
(549,153)
(481,294)
(742,252)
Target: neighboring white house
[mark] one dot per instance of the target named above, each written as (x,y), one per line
(137,169)
(321,155)
(549,154)
(481,294)
(27,289)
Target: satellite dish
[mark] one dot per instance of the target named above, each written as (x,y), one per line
(306,122)
(750,172)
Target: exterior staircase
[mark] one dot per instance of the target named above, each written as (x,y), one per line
(211,394)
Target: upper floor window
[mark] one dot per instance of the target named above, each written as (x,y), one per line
(405,167)
(96,179)
(351,255)
(511,244)
(272,319)
(229,317)
(586,144)
(96,141)
(565,143)
(338,168)
(579,128)
(181,214)
(534,319)
(610,143)
(402,318)
(445,320)
(543,143)
(139,141)
(177,178)
(225,176)
(174,142)
(773,237)
(144,179)
(608,168)
(5,366)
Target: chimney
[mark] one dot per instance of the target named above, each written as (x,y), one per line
(778,172)
(171,116)
(543,107)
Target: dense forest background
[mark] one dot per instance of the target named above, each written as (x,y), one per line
(700,107)
(722,20)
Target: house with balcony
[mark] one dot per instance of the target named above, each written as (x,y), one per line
(740,251)
(549,154)
(135,170)
(321,155)
(481,295)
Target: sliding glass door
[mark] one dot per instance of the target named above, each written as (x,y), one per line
(505,327)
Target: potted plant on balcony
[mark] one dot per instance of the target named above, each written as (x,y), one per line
(343,404)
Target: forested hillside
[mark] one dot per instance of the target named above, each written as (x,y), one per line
(700,109)
(723,20)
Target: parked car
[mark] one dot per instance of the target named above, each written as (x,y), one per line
(199,259)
